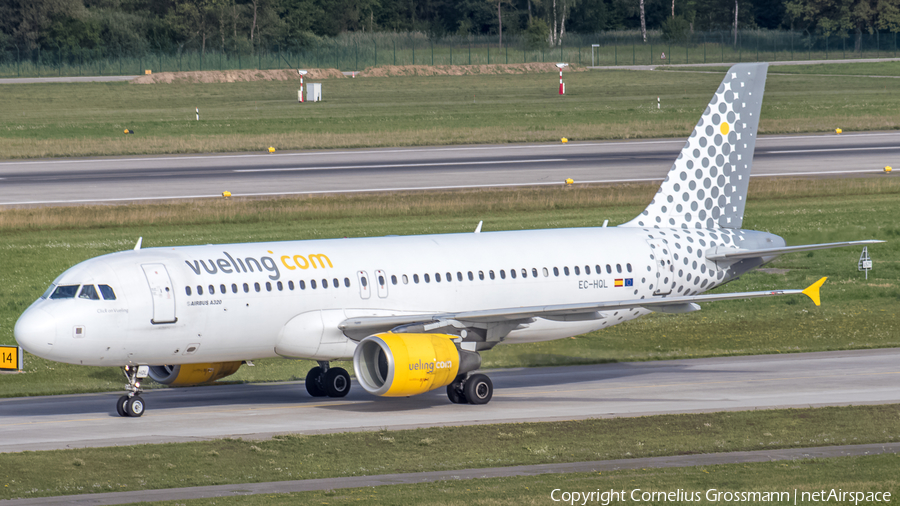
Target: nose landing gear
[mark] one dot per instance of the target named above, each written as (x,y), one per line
(325,380)
(132,404)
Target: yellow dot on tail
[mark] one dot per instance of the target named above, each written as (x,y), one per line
(724,128)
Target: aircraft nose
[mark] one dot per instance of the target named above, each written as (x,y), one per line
(35,331)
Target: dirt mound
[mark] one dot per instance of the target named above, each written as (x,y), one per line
(233,76)
(463,70)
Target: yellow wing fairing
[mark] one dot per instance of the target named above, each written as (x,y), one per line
(812,291)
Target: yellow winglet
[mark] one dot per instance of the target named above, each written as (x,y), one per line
(812,291)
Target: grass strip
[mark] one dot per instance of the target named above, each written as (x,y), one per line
(80,119)
(715,485)
(293,457)
(38,244)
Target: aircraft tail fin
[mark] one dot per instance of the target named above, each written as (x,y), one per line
(707,185)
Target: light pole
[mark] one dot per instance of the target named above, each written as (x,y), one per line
(562,87)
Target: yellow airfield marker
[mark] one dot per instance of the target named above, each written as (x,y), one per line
(838,131)
(564,140)
(271,149)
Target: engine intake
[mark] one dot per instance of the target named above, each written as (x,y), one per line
(192,374)
(400,365)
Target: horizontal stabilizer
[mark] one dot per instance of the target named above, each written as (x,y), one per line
(737,254)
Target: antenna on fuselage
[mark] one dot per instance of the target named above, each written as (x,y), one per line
(137,247)
(478,228)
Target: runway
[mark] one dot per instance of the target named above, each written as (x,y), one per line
(148,178)
(521,395)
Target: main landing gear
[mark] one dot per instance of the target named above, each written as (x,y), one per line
(132,404)
(327,381)
(476,389)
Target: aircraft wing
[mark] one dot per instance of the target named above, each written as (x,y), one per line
(360,327)
(737,253)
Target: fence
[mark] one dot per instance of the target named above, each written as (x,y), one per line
(354,52)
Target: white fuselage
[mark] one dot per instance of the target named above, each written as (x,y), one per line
(246,301)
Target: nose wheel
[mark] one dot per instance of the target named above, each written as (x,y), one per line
(132,404)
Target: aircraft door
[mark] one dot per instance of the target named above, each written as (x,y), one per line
(665,268)
(381,279)
(162,292)
(365,290)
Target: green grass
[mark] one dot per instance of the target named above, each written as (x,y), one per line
(294,457)
(870,474)
(890,68)
(39,120)
(38,244)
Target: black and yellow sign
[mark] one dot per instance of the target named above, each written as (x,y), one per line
(10,358)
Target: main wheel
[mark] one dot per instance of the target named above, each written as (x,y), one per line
(336,382)
(120,405)
(314,382)
(456,395)
(135,406)
(479,389)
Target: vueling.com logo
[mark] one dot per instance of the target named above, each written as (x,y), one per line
(231,264)
(429,367)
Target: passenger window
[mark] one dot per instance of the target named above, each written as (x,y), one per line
(437,277)
(427,278)
(512,273)
(256,286)
(449,277)
(481,275)
(279,285)
(381,280)
(107,292)
(246,288)
(212,289)
(597,269)
(199,290)
(459,276)
(336,283)
(627,267)
(608,269)
(324,283)
(491,274)
(187,290)
(302,284)
(89,292)
(566,270)
(222,289)
(471,276)
(65,292)
(312,283)
(290,285)
(416,278)
(393,279)
(364,280)
(577,271)
(587,269)
(405,279)
(546,273)
(619,268)
(347,282)
(268,286)
(502,274)
(556,271)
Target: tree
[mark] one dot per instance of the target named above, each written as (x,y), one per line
(643,22)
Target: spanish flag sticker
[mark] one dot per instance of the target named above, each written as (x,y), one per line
(620,282)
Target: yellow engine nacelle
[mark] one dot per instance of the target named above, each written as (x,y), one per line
(398,365)
(192,374)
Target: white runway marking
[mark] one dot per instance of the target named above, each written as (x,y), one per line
(397,165)
(827,150)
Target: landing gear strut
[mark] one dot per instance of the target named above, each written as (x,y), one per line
(324,380)
(132,404)
(476,389)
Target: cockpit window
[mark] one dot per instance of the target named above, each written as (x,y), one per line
(48,292)
(89,292)
(107,292)
(65,292)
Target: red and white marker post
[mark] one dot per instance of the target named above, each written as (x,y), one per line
(302,73)
(562,86)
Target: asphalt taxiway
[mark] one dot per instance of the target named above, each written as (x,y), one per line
(533,394)
(147,178)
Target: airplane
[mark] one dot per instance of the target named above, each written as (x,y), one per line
(414,312)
